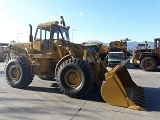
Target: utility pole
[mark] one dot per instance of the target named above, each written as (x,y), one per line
(72,33)
(17,36)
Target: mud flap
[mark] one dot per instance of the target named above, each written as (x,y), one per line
(119,89)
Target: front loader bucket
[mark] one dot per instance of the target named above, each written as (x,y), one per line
(120,90)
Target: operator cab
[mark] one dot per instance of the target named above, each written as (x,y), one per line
(47,33)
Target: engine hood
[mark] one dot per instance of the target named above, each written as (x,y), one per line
(19,47)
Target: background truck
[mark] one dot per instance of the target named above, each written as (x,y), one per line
(4,52)
(73,66)
(147,58)
(115,58)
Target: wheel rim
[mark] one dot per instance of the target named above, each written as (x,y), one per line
(149,64)
(14,73)
(73,78)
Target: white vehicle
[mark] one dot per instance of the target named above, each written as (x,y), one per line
(115,58)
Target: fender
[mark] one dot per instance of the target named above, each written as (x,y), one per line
(61,61)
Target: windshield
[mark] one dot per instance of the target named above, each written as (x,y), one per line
(92,49)
(60,33)
(116,56)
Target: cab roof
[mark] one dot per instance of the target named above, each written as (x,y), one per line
(49,24)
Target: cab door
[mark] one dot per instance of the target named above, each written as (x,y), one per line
(42,39)
(45,39)
(37,40)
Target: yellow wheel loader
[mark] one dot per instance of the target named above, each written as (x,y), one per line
(75,69)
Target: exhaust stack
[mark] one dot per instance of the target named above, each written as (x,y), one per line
(62,22)
(30,35)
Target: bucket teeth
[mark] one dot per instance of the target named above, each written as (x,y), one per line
(140,104)
(138,97)
(139,101)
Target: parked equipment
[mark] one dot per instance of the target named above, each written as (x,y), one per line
(143,46)
(120,45)
(74,67)
(4,52)
(97,49)
(147,58)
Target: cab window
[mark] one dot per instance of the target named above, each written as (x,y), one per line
(37,36)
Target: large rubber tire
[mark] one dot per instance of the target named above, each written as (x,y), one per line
(18,72)
(75,77)
(149,64)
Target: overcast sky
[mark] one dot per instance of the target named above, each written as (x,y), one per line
(102,20)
